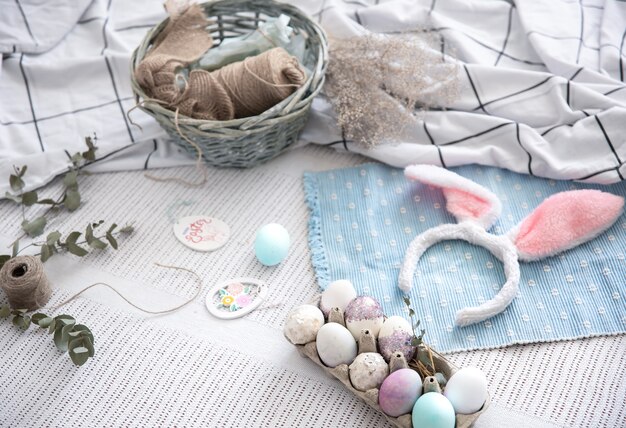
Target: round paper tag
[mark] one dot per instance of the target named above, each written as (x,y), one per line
(236,297)
(201,233)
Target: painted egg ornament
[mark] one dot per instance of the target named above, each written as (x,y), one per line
(302,324)
(364,313)
(368,371)
(335,345)
(399,392)
(433,410)
(271,244)
(337,295)
(395,336)
(467,390)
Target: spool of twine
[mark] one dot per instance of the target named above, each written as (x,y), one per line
(23,280)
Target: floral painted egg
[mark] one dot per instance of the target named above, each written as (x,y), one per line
(368,371)
(337,295)
(433,410)
(467,390)
(364,313)
(395,336)
(335,345)
(399,392)
(302,324)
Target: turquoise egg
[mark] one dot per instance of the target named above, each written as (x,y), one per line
(433,410)
(271,244)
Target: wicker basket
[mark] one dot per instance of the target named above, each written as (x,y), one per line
(248,141)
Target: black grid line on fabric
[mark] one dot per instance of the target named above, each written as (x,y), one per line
(134,27)
(567,97)
(117,96)
(615,168)
(88,20)
(65,113)
(480,103)
(26,24)
(433,3)
(521,91)
(547,131)
(357,17)
(608,140)
(614,90)
(104,27)
(432,141)
(585,45)
(519,141)
(621,58)
(323,9)
(508,34)
(472,38)
(478,134)
(30,101)
(154,149)
(582,30)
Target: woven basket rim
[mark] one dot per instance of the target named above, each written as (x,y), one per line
(284,109)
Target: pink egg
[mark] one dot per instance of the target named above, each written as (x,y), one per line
(399,392)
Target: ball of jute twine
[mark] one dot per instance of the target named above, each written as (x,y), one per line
(25,283)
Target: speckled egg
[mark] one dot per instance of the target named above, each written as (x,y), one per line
(362,313)
(271,244)
(368,371)
(395,336)
(433,410)
(335,345)
(467,390)
(302,324)
(399,392)
(337,295)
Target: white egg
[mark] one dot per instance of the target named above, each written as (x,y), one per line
(364,313)
(302,324)
(395,336)
(368,371)
(337,295)
(467,390)
(335,345)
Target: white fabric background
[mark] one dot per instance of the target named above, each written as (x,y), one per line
(189,369)
(542,87)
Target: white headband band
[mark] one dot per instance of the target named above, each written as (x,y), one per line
(561,222)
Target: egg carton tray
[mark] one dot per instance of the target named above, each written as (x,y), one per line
(341,373)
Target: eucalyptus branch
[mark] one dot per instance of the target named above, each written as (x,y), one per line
(416,340)
(76,339)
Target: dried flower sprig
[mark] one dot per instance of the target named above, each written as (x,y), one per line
(76,339)
(377,82)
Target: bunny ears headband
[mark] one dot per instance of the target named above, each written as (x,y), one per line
(561,222)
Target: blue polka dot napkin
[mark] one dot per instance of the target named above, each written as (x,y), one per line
(362,220)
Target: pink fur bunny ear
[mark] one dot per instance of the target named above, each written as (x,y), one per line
(564,221)
(466,200)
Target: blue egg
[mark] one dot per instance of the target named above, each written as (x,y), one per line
(271,244)
(433,410)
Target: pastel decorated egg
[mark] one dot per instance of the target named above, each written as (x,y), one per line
(364,313)
(335,345)
(395,336)
(433,410)
(337,295)
(271,244)
(302,324)
(467,390)
(399,392)
(368,371)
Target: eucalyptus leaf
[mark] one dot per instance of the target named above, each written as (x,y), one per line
(46,252)
(52,327)
(127,229)
(45,322)
(16,248)
(16,182)
(38,317)
(47,201)
(30,198)
(53,237)
(61,337)
(80,350)
(79,358)
(84,331)
(15,198)
(65,319)
(3,259)
(35,227)
(5,311)
(77,250)
(111,228)
(72,200)
(89,233)
(111,240)
(97,244)
(70,180)
(72,237)
(22,171)
(88,342)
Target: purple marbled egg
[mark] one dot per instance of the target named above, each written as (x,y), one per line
(364,313)
(395,336)
(399,392)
